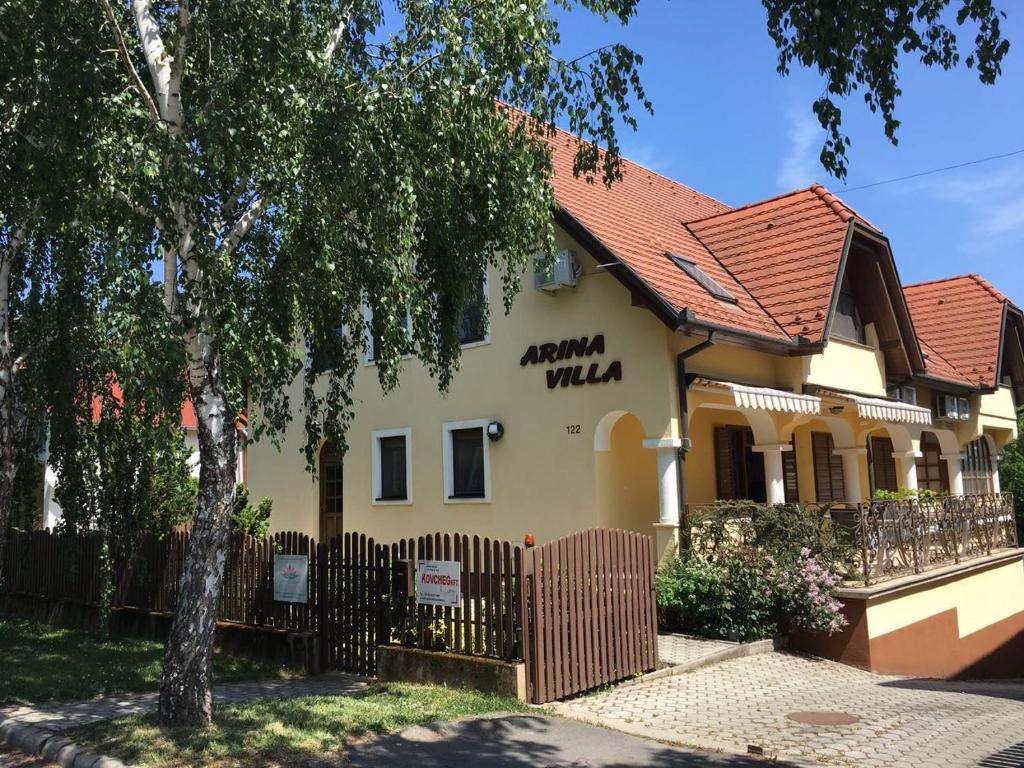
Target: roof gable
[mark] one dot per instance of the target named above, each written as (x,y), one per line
(640,220)
(960,318)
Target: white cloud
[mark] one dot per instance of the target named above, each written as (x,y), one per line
(799,166)
(990,197)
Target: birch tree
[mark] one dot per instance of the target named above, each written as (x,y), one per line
(297,161)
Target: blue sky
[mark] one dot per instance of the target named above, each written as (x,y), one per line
(727,124)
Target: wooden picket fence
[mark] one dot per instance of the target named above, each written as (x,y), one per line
(578,611)
(592,611)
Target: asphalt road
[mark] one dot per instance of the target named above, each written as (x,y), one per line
(534,741)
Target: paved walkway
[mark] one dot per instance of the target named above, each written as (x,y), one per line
(60,717)
(758,700)
(683,650)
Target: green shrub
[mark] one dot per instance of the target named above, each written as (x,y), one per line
(249,520)
(747,595)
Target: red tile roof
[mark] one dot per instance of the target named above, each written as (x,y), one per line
(960,319)
(642,217)
(786,251)
(780,257)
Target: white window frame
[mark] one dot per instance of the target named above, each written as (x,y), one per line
(486,288)
(448,488)
(368,358)
(376,473)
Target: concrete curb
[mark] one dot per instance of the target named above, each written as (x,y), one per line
(52,747)
(738,651)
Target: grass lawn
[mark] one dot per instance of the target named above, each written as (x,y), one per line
(274,732)
(39,663)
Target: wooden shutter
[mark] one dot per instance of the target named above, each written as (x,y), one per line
(828,469)
(883,465)
(789,475)
(725,466)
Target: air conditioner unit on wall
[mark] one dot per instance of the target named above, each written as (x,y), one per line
(560,273)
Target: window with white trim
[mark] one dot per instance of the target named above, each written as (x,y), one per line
(472,328)
(373,342)
(392,466)
(466,461)
(977,466)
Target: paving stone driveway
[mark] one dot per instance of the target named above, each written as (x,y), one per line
(902,722)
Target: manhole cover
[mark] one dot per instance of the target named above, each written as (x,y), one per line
(824,718)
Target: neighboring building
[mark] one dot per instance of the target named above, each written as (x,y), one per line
(683,351)
(51,511)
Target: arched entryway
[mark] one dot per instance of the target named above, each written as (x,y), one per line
(331,487)
(626,474)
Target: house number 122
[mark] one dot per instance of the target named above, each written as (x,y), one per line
(572,429)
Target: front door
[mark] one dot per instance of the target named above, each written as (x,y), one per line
(330,493)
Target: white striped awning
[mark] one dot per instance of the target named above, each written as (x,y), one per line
(762,398)
(892,411)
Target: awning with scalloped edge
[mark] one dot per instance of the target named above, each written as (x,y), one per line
(761,398)
(882,409)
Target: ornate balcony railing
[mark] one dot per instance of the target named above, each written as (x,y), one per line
(871,541)
(901,537)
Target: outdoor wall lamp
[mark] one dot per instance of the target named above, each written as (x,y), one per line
(495,430)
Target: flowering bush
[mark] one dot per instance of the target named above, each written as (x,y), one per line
(805,595)
(747,595)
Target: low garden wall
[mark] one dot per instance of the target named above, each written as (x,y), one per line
(961,621)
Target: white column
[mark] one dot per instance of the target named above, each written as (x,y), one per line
(668,478)
(995,475)
(851,472)
(774,479)
(955,466)
(907,468)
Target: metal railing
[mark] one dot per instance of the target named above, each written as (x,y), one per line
(869,541)
(908,536)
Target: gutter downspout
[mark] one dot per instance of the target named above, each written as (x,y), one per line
(682,385)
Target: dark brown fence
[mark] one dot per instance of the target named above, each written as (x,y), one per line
(579,611)
(592,612)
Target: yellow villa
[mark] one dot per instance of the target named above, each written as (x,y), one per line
(679,351)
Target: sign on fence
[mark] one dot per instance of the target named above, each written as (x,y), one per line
(439,582)
(291,578)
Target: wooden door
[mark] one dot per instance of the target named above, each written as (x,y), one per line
(330,493)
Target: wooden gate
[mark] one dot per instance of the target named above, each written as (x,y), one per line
(591,609)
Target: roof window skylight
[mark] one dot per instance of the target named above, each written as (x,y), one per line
(706,281)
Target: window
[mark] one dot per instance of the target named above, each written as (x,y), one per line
(846,324)
(328,355)
(466,461)
(932,472)
(829,483)
(392,466)
(373,342)
(473,326)
(977,467)
(883,465)
(708,283)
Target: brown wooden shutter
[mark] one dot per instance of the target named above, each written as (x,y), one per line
(829,484)
(883,465)
(789,475)
(725,468)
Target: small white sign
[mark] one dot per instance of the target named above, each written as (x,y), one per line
(291,578)
(439,582)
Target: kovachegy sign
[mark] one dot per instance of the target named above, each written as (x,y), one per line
(439,582)
(291,578)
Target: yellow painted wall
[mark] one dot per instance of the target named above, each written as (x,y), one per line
(626,479)
(542,477)
(701,482)
(849,366)
(981,599)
